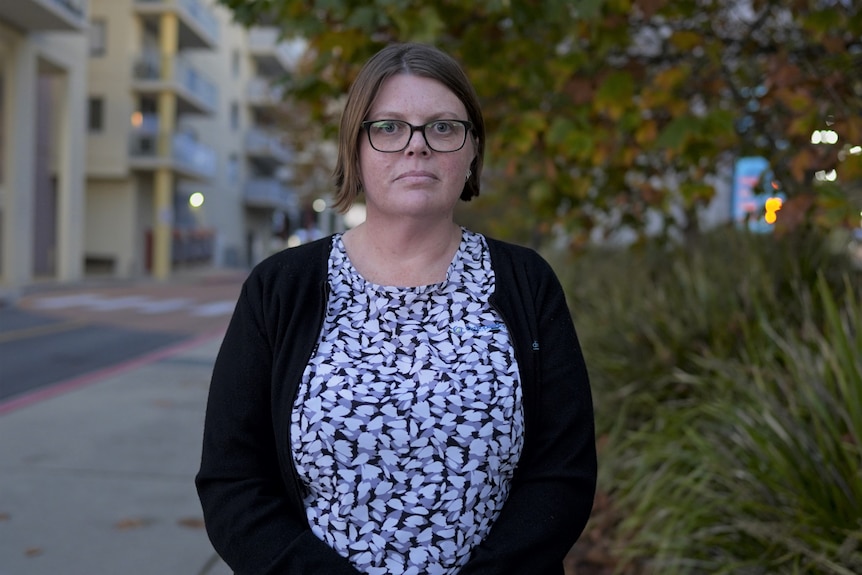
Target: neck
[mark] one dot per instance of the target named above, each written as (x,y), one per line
(403,254)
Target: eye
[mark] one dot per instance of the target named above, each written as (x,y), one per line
(386,126)
(443,127)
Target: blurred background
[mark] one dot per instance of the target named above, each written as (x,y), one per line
(693,170)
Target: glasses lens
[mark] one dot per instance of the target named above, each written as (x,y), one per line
(389,135)
(445,135)
(394,135)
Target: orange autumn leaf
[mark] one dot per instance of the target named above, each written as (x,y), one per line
(191,522)
(130,523)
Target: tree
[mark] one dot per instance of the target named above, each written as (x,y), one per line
(602,114)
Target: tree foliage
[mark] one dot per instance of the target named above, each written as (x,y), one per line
(603,114)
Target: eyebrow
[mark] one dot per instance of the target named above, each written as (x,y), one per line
(389,115)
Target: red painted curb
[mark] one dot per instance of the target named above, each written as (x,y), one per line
(59,388)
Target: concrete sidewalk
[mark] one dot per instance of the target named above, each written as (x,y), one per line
(96,478)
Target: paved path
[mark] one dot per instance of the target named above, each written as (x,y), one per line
(96,478)
(187,305)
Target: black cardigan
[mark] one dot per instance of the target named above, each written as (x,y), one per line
(249,491)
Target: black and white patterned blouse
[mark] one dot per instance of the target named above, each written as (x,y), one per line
(408,422)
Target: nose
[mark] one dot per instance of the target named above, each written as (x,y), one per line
(417,142)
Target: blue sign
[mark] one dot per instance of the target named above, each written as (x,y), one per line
(753,185)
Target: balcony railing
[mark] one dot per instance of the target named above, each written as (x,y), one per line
(74,7)
(279,55)
(190,153)
(261,91)
(263,143)
(176,149)
(188,246)
(202,15)
(35,15)
(268,193)
(176,70)
(197,13)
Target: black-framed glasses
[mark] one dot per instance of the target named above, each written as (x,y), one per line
(394,135)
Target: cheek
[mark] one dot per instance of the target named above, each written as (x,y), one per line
(365,163)
(372,168)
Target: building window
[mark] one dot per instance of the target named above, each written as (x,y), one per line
(233,169)
(98,37)
(234,116)
(96,114)
(234,66)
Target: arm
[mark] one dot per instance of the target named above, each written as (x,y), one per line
(552,493)
(248,512)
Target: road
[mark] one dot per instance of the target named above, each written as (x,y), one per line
(54,335)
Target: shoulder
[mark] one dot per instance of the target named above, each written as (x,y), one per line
(515,255)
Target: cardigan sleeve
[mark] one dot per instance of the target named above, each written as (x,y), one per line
(247,509)
(553,489)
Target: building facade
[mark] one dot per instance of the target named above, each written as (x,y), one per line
(142,91)
(139,137)
(251,199)
(187,162)
(43,85)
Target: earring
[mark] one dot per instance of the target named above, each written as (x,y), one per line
(469,173)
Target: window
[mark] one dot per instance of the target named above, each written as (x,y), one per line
(235,56)
(234,116)
(98,38)
(233,169)
(96,114)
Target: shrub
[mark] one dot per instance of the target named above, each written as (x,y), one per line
(765,477)
(728,393)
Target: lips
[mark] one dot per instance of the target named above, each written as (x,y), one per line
(416,174)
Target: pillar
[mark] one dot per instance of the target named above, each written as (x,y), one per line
(19,126)
(164,179)
(72,161)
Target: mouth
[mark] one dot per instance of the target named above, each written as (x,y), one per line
(416,175)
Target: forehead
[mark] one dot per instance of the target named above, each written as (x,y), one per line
(405,94)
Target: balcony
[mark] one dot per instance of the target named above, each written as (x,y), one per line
(199,27)
(151,149)
(268,193)
(196,94)
(45,15)
(262,93)
(266,148)
(189,247)
(274,56)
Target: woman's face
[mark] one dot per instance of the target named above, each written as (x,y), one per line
(417,181)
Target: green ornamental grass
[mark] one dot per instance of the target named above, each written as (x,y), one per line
(728,384)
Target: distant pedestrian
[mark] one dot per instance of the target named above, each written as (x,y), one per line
(408,397)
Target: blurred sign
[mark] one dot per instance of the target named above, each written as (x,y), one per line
(755,200)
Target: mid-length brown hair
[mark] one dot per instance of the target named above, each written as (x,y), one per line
(417,60)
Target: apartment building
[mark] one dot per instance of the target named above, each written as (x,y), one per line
(139,137)
(141,154)
(186,162)
(251,200)
(43,76)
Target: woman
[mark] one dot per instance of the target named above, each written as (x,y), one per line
(408,397)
